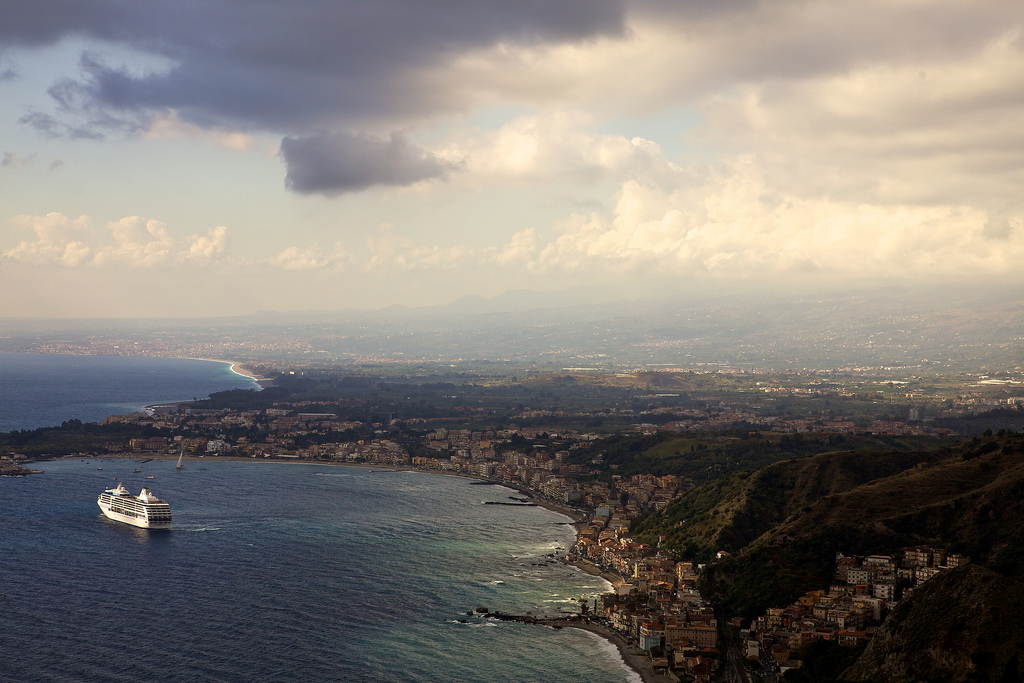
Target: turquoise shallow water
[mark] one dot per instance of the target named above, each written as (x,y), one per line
(284,572)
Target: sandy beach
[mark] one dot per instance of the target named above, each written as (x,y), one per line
(635,659)
(614,578)
(235,367)
(241,370)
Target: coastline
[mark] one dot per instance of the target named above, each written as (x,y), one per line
(240,370)
(234,366)
(614,578)
(499,652)
(95,407)
(632,659)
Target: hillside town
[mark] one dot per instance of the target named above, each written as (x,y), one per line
(655,605)
(849,612)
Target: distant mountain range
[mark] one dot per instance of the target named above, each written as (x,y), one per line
(912,327)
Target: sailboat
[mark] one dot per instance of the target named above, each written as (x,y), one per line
(180,466)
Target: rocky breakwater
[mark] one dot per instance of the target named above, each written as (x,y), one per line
(13,469)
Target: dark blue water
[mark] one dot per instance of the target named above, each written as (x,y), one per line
(284,572)
(43,390)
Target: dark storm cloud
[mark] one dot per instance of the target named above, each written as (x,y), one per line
(335,163)
(295,67)
(306,65)
(291,66)
(286,66)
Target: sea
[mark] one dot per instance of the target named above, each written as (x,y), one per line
(44,390)
(284,572)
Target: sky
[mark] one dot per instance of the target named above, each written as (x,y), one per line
(222,157)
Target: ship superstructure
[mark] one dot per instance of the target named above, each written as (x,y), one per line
(145,510)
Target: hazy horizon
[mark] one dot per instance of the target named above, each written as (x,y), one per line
(934,330)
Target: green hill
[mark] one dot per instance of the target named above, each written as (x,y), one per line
(969,498)
(963,625)
(972,501)
(741,508)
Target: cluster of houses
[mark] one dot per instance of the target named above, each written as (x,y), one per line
(657,606)
(473,450)
(464,451)
(865,589)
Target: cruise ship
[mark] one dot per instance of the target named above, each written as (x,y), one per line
(145,510)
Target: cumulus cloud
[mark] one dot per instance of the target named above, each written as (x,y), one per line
(132,241)
(209,247)
(884,102)
(844,98)
(871,138)
(728,221)
(137,242)
(921,132)
(335,163)
(390,250)
(59,240)
(674,53)
(552,146)
(734,225)
(522,249)
(311,258)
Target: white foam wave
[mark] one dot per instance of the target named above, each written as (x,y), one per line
(484,624)
(609,649)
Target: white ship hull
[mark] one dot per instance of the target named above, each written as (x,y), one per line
(145,511)
(134,521)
